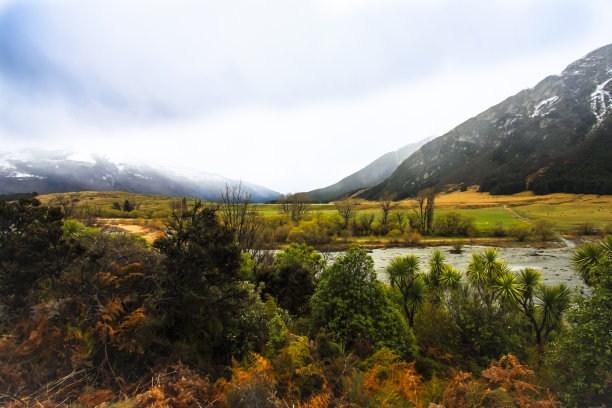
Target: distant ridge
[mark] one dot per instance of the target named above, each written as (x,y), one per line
(369,176)
(61,171)
(555,137)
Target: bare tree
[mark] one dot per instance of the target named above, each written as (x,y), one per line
(234,207)
(68,204)
(298,205)
(346,207)
(387,203)
(401,219)
(425,202)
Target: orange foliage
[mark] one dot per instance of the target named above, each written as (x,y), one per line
(180,388)
(96,398)
(395,384)
(507,383)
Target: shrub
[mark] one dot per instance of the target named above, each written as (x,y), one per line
(587,228)
(544,229)
(454,224)
(520,231)
(498,230)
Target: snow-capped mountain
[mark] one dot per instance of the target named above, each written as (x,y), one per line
(62,171)
(554,137)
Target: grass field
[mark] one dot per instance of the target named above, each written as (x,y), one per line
(565,211)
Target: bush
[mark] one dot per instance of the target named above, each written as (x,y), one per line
(455,224)
(353,307)
(520,231)
(587,228)
(544,229)
(395,235)
(498,230)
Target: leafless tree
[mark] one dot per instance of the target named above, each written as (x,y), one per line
(297,205)
(234,208)
(425,201)
(387,203)
(346,207)
(401,219)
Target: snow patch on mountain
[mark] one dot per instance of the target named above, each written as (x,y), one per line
(544,107)
(601,100)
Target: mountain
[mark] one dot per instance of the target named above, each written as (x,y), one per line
(369,176)
(555,137)
(61,171)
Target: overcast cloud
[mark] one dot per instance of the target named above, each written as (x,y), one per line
(293,95)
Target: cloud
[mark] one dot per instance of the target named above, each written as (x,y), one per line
(328,76)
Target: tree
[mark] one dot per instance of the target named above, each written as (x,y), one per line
(366,219)
(346,207)
(33,252)
(543,305)
(234,208)
(352,306)
(581,356)
(386,203)
(588,259)
(403,273)
(297,205)
(127,206)
(544,229)
(207,311)
(293,283)
(425,200)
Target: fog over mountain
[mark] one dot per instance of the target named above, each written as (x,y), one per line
(63,171)
(369,176)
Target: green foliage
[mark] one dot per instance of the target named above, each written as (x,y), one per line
(352,305)
(544,229)
(589,258)
(404,274)
(520,231)
(210,315)
(33,252)
(455,224)
(291,279)
(582,355)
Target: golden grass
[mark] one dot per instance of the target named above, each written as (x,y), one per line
(566,211)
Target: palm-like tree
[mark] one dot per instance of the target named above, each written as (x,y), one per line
(404,274)
(543,305)
(553,302)
(585,259)
(450,278)
(588,258)
(508,287)
(432,279)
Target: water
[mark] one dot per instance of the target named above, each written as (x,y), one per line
(553,263)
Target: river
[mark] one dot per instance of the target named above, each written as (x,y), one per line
(553,263)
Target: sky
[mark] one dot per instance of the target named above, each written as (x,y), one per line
(291,95)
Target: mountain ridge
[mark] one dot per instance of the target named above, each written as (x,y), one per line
(368,176)
(63,171)
(531,140)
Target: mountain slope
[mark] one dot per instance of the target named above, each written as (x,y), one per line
(59,171)
(369,176)
(555,137)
